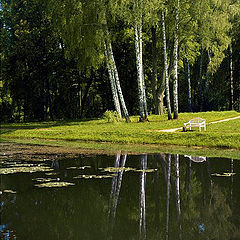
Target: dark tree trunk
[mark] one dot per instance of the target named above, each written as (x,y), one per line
(188,81)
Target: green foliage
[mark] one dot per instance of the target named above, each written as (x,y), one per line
(111,116)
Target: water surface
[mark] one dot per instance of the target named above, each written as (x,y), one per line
(154,196)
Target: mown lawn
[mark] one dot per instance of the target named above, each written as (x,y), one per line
(223,135)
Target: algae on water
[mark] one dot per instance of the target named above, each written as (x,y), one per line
(54,184)
(31,169)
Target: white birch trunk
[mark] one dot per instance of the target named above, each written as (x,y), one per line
(140,75)
(117,82)
(231,78)
(166,68)
(200,82)
(175,65)
(112,81)
(188,80)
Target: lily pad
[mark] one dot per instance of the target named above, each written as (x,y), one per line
(9,191)
(95,176)
(31,169)
(146,170)
(118,169)
(78,168)
(54,184)
(44,179)
(223,174)
(51,173)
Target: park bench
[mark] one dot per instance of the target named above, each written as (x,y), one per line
(195,122)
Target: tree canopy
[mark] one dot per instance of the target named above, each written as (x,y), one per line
(77,59)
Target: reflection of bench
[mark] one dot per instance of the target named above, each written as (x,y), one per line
(198,159)
(195,122)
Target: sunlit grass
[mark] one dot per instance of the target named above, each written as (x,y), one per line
(223,135)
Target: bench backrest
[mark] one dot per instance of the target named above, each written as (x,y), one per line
(197,120)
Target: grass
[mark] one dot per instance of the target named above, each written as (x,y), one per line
(134,135)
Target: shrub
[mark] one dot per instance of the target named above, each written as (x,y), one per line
(111,116)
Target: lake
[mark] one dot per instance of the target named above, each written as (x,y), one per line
(147,196)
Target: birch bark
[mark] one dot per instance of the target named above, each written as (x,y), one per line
(117,82)
(166,68)
(175,64)
(188,80)
(113,85)
(231,79)
(200,82)
(140,75)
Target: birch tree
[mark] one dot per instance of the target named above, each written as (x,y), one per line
(166,68)
(136,13)
(175,63)
(83,26)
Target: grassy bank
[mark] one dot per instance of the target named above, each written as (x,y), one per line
(92,133)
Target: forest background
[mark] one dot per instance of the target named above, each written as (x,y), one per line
(77,59)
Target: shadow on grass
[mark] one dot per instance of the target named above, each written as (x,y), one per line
(5,128)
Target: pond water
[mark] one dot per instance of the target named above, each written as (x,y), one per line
(154,196)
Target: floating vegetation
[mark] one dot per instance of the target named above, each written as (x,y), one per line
(54,184)
(95,176)
(9,191)
(51,173)
(118,169)
(146,170)
(44,179)
(223,174)
(78,168)
(126,169)
(31,169)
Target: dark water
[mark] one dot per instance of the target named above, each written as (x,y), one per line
(173,197)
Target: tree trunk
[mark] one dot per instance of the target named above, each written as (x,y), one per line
(154,70)
(231,79)
(175,65)
(200,82)
(140,75)
(188,80)
(116,78)
(84,98)
(112,81)
(166,68)
(206,90)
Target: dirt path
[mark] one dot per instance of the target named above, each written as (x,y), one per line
(219,121)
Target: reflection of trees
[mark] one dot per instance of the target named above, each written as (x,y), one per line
(115,190)
(142,198)
(168,193)
(177,189)
(216,217)
(85,212)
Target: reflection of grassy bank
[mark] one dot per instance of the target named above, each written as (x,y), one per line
(109,148)
(134,137)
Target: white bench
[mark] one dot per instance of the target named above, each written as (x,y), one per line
(195,122)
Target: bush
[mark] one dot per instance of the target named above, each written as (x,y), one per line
(111,116)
